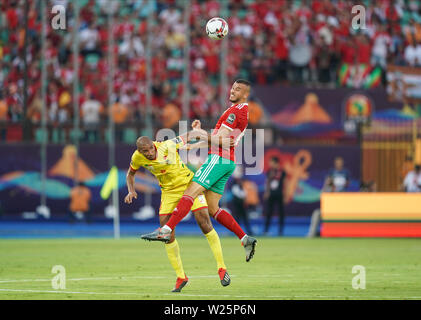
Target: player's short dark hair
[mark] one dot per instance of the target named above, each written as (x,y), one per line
(243,81)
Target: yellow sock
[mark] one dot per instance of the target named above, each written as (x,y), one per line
(173,252)
(216,248)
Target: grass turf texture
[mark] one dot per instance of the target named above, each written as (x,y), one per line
(282,268)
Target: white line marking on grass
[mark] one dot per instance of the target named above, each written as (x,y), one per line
(199,295)
(164,277)
(122,293)
(107,278)
(192,277)
(68,292)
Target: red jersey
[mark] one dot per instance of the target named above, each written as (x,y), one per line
(235,118)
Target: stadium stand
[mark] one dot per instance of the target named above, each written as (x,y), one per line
(271,42)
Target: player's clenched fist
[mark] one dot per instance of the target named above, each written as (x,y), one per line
(130,196)
(196,124)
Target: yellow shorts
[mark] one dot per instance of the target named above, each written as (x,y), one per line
(169,201)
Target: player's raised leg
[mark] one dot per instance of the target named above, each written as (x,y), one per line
(203,220)
(228,221)
(213,175)
(182,209)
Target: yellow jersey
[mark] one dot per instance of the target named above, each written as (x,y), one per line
(168,168)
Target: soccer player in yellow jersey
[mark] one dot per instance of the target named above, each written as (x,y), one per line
(163,161)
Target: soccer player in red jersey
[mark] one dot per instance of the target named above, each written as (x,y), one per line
(212,176)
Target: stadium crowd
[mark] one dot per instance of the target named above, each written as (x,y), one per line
(270,41)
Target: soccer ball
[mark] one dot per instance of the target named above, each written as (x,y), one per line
(217,28)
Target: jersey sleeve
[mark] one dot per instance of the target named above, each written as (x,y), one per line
(135,162)
(235,119)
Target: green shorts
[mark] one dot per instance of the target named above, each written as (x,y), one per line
(214,173)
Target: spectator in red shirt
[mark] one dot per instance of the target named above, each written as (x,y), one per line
(12,16)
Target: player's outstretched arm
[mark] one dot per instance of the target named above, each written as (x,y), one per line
(195,134)
(205,141)
(198,145)
(130,186)
(222,139)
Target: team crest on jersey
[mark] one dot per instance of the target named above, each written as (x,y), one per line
(231,118)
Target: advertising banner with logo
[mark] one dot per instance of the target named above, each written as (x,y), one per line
(20,178)
(307,112)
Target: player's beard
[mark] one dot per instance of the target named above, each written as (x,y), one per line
(234,100)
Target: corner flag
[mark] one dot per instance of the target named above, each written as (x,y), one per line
(110,183)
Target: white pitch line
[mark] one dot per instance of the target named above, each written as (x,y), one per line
(68,292)
(119,293)
(192,277)
(163,277)
(197,295)
(107,278)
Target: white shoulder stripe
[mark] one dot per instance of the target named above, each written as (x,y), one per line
(224,125)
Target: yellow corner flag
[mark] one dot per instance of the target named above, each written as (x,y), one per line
(110,183)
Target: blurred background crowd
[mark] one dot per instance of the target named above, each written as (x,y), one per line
(270,42)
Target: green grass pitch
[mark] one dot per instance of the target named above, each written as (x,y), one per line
(282,268)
